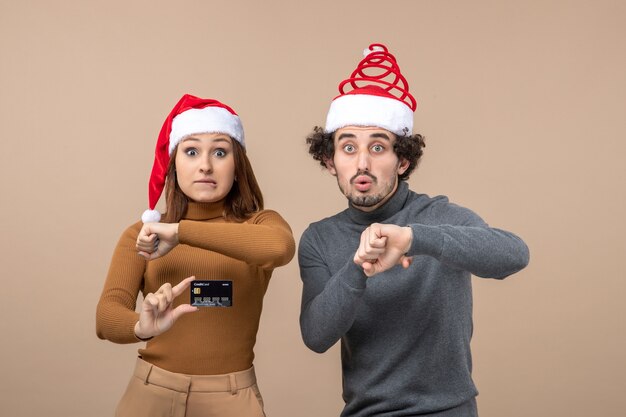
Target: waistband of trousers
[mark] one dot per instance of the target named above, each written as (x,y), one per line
(151,374)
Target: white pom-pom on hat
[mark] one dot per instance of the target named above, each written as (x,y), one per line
(151,216)
(368,51)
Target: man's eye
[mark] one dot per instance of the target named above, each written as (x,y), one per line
(348,148)
(378,148)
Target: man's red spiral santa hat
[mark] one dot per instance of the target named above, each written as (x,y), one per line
(375,94)
(191,115)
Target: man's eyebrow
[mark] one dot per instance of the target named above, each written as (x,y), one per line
(380,135)
(346,136)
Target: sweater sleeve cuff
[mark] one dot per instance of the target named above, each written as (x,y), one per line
(183,231)
(354,276)
(126,328)
(427,240)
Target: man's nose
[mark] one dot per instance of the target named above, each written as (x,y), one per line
(363,161)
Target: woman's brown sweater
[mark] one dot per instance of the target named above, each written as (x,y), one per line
(213,340)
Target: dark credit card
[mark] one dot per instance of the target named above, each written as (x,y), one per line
(211,293)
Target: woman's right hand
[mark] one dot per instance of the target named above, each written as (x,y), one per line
(157,315)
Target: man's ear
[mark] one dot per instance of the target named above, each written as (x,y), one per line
(330,166)
(403,165)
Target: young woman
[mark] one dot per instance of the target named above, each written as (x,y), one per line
(197,360)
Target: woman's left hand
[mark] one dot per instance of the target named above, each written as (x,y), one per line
(157,239)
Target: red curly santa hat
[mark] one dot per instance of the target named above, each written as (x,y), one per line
(191,115)
(379,96)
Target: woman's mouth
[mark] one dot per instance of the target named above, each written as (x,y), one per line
(205,182)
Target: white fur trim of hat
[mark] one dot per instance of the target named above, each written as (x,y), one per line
(205,120)
(370,110)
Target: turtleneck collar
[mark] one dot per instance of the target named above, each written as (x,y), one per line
(391,207)
(204,211)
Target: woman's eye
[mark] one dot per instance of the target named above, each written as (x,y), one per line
(191,152)
(220,153)
(378,148)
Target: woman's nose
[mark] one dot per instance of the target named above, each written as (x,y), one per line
(206,166)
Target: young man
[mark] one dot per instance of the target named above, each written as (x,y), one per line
(391,276)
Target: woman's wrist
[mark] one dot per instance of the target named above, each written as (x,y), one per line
(138,334)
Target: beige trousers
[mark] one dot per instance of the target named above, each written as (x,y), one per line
(155,392)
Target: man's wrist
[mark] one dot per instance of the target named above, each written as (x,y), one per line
(409,237)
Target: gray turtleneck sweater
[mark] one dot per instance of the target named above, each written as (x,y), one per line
(405,333)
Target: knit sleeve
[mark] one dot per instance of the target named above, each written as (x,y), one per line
(458,237)
(115,314)
(329,301)
(264,240)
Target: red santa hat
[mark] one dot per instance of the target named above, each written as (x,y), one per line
(379,96)
(191,115)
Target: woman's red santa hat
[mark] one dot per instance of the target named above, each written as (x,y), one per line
(191,115)
(379,96)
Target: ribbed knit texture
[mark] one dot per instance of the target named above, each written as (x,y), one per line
(213,340)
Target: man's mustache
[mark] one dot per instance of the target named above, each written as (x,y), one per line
(361,173)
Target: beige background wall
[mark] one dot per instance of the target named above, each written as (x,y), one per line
(522,104)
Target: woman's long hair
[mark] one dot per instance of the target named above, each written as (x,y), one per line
(243,199)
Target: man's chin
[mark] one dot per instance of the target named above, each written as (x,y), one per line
(362,200)
(365,201)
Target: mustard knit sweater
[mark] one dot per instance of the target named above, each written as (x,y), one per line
(213,340)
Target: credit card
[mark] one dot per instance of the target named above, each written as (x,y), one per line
(211,293)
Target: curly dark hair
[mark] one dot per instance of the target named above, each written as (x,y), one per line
(410,148)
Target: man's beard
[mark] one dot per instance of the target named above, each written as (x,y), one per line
(355,197)
(365,200)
